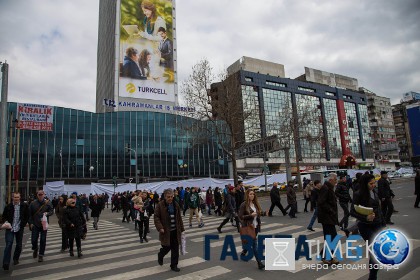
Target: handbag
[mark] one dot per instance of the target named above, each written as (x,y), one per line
(44,222)
(247,230)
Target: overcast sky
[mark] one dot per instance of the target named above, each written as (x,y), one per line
(51,45)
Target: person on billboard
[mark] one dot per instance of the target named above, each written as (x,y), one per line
(144,62)
(131,68)
(165,49)
(152,22)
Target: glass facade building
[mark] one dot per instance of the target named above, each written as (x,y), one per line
(308,116)
(81,140)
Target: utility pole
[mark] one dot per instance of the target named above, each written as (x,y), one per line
(135,156)
(17,167)
(3,133)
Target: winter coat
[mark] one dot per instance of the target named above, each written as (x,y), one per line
(218,198)
(162,221)
(35,215)
(59,212)
(72,215)
(373,203)
(209,198)
(193,201)
(246,218)
(384,189)
(342,193)
(291,195)
(230,204)
(95,207)
(327,205)
(275,195)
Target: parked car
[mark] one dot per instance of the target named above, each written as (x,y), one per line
(394,175)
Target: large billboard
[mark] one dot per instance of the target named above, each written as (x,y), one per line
(146,55)
(35,117)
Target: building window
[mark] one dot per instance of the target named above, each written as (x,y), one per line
(347,96)
(248,79)
(275,84)
(329,93)
(306,89)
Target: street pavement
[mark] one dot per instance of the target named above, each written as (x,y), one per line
(114,251)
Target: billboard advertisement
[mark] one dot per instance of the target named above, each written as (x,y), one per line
(413,115)
(146,55)
(35,117)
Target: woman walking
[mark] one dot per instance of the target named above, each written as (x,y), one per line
(218,201)
(59,211)
(74,221)
(250,213)
(368,225)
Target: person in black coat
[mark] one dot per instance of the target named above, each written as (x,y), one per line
(74,220)
(218,201)
(385,195)
(370,224)
(275,200)
(327,210)
(417,189)
(17,229)
(96,208)
(343,195)
(131,68)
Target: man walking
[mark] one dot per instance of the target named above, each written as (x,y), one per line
(314,200)
(385,195)
(343,195)
(37,209)
(193,204)
(168,222)
(17,214)
(327,211)
(275,200)
(96,208)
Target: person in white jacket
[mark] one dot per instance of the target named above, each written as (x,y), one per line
(152,22)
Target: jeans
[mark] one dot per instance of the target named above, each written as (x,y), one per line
(314,216)
(345,220)
(43,241)
(9,243)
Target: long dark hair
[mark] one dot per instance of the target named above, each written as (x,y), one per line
(364,189)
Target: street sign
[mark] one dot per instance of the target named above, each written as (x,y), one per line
(259,148)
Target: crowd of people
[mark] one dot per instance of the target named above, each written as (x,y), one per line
(238,205)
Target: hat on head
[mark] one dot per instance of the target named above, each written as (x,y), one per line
(384,172)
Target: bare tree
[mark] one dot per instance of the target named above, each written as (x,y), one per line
(221,104)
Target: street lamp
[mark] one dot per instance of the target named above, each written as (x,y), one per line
(135,156)
(90,170)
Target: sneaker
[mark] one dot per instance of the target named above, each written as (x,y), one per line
(219,230)
(201,225)
(175,268)
(141,240)
(311,229)
(79,254)
(261,266)
(40,258)
(145,239)
(35,254)
(324,261)
(190,225)
(15,262)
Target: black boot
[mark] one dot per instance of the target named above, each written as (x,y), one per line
(71,253)
(79,253)
(261,266)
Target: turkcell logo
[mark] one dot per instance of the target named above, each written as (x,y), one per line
(280,254)
(391,247)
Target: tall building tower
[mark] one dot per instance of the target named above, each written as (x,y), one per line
(136,56)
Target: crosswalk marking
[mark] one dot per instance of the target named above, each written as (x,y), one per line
(203,274)
(414,274)
(152,270)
